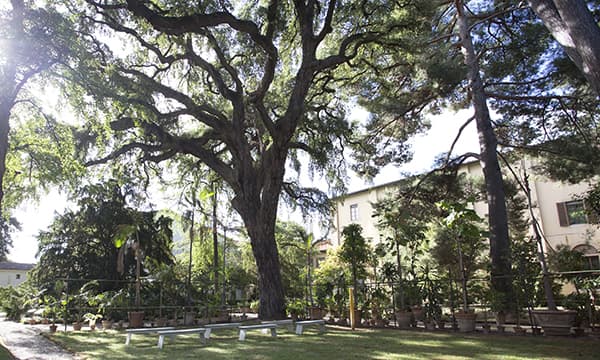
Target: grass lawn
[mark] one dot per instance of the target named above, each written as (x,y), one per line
(4,354)
(336,343)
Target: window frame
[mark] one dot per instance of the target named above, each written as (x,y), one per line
(354,212)
(567,216)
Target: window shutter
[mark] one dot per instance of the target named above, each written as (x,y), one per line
(563,216)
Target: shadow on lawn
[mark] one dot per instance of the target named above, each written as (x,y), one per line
(334,344)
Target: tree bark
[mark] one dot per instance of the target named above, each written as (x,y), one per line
(496,199)
(572,25)
(215,240)
(257,205)
(9,84)
(4,130)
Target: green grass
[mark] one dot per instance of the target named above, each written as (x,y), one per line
(4,354)
(334,344)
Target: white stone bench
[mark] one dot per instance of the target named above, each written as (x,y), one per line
(301,324)
(211,327)
(243,329)
(289,323)
(174,332)
(144,331)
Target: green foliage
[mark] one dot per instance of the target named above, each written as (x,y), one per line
(331,282)
(296,308)
(12,302)
(355,251)
(80,244)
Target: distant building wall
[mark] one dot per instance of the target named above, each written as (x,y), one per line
(555,206)
(13,274)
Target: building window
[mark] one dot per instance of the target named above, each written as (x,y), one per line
(18,276)
(354,212)
(590,255)
(571,213)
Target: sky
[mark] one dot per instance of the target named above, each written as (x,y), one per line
(444,127)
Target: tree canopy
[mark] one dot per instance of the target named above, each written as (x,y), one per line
(82,244)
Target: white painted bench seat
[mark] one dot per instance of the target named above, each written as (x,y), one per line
(289,323)
(211,327)
(244,329)
(173,332)
(301,324)
(144,331)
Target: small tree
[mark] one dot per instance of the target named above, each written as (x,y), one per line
(464,227)
(355,251)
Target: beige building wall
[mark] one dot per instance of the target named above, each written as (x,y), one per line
(546,194)
(363,202)
(12,277)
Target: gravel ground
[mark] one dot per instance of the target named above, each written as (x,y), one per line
(25,342)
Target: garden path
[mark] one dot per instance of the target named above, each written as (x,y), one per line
(25,342)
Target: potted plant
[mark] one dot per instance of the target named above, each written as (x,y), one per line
(356,252)
(462,224)
(91,319)
(128,237)
(295,309)
(432,311)
(51,309)
(378,297)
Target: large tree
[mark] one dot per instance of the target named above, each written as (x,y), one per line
(573,26)
(237,86)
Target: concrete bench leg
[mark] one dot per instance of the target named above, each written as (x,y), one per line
(242,335)
(299,329)
(128,339)
(274,332)
(322,328)
(207,333)
(161,341)
(203,338)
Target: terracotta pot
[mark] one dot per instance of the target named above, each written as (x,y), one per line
(107,324)
(161,322)
(557,323)
(519,330)
(404,319)
(316,313)
(500,318)
(77,326)
(466,321)
(417,313)
(189,317)
(53,328)
(136,319)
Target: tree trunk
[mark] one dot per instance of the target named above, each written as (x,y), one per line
(264,248)
(4,130)
(215,240)
(8,86)
(573,26)
(497,216)
(256,202)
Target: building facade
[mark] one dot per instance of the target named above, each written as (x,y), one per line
(556,207)
(13,274)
